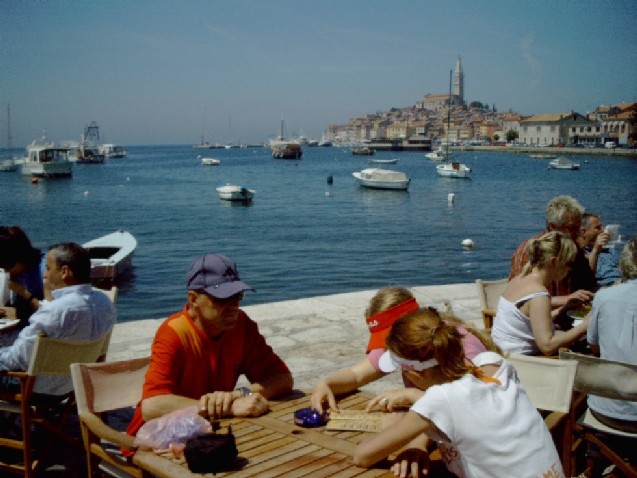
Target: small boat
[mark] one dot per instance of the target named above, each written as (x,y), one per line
(46,160)
(383,161)
(438,155)
(365,151)
(89,150)
(283,149)
(113,151)
(377,178)
(542,156)
(563,163)
(454,169)
(206,161)
(111,255)
(231,192)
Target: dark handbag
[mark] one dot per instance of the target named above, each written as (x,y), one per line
(211,453)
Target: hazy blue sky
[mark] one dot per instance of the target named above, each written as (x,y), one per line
(162,72)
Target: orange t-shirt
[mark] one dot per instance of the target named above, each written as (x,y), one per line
(185,361)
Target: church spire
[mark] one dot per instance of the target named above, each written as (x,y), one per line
(458,82)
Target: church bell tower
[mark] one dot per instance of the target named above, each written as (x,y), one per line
(458,82)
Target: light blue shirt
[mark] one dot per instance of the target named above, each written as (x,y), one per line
(76,312)
(613,326)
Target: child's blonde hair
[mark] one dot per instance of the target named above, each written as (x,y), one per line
(386,298)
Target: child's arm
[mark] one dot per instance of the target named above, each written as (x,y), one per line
(342,381)
(391,439)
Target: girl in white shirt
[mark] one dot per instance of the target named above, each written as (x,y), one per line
(483,421)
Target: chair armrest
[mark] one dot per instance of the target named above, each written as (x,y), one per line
(14,373)
(103,431)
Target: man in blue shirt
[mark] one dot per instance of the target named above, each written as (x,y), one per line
(76,312)
(602,258)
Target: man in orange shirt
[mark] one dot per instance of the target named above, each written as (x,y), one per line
(564,214)
(199,353)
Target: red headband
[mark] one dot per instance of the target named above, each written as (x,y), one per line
(380,323)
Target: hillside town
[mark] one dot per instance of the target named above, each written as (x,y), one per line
(430,120)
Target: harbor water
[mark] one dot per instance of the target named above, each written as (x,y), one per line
(301,236)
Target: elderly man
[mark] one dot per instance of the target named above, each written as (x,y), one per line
(602,259)
(199,353)
(564,214)
(76,312)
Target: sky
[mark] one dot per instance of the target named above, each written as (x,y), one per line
(168,72)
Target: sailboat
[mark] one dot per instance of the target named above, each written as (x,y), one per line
(451,169)
(9,164)
(284,149)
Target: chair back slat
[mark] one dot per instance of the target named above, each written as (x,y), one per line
(603,377)
(107,386)
(53,356)
(548,382)
(489,292)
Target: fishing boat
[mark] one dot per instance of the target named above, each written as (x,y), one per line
(113,151)
(284,149)
(378,178)
(383,161)
(207,161)
(231,192)
(8,165)
(88,151)
(563,163)
(111,255)
(453,169)
(46,160)
(364,151)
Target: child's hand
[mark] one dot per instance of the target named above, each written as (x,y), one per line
(411,460)
(394,400)
(322,394)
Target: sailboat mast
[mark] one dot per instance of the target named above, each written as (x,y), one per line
(449,111)
(9,130)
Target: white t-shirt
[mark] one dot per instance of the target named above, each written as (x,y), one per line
(493,430)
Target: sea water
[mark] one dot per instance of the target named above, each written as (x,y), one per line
(302,236)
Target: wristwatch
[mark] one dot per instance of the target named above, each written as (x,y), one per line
(245,391)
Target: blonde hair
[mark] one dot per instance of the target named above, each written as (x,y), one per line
(386,298)
(426,334)
(552,244)
(628,260)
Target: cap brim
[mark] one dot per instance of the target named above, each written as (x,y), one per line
(386,364)
(377,340)
(228,289)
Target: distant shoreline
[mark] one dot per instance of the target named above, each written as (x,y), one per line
(556,151)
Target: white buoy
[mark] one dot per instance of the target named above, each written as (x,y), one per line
(86,193)
(450,198)
(467,243)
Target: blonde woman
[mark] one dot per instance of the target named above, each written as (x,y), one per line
(524,319)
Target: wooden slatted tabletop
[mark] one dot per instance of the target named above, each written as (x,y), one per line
(274,446)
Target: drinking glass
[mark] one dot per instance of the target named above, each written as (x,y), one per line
(613,232)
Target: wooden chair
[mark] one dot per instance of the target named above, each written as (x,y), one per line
(489,292)
(609,379)
(50,356)
(549,385)
(100,388)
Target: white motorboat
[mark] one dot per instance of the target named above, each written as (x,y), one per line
(113,151)
(382,179)
(438,155)
(46,160)
(454,169)
(383,161)
(111,255)
(563,163)
(209,161)
(231,192)
(8,165)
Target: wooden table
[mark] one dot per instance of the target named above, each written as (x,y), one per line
(8,321)
(273,446)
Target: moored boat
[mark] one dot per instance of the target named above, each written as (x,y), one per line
(231,192)
(364,151)
(46,160)
(89,150)
(377,178)
(111,255)
(383,161)
(207,161)
(542,156)
(563,163)
(113,151)
(454,169)
(438,155)
(287,150)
